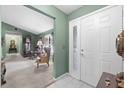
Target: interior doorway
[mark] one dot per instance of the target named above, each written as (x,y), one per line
(30,34)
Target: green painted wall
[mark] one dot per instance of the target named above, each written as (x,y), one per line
(85,9)
(7,28)
(60,42)
(45,33)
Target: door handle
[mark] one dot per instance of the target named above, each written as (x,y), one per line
(82,51)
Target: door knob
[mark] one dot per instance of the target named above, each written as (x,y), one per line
(82,51)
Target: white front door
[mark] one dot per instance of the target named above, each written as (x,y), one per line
(74,49)
(98,36)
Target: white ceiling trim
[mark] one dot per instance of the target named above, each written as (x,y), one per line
(67,9)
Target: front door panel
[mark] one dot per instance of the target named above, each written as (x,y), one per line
(98,36)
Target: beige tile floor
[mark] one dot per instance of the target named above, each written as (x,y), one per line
(66,81)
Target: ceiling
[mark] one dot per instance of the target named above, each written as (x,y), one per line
(26,19)
(68,8)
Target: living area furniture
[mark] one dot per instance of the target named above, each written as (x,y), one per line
(3,72)
(43,57)
(33,54)
(12,50)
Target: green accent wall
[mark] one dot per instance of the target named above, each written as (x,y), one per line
(46,33)
(9,28)
(60,34)
(85,9)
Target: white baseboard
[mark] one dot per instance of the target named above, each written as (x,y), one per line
(61,76)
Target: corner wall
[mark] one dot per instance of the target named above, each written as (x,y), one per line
(61,30)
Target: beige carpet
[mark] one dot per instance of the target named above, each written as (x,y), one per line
(14,57)
(25,74)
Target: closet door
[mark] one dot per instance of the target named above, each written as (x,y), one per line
(74,48)
(98,36)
